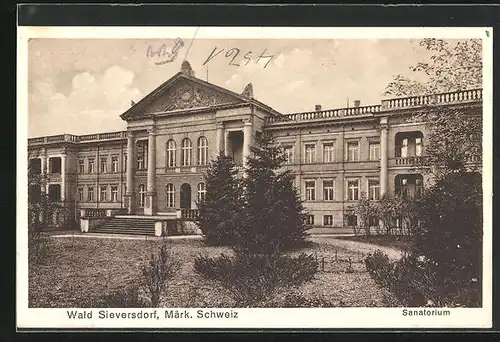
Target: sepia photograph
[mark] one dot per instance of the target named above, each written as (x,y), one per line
(200,177)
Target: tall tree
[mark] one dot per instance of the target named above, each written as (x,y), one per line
(219,211)
(273,215)
(446,254)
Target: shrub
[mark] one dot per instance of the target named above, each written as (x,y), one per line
(37,246)
(253,278)
(155,274)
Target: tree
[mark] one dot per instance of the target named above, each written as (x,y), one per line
(455,134)
(452,67)
(41,209)
(272,220)
(219,211)
(446,253)
(365,210)
(273,214)
(387,211)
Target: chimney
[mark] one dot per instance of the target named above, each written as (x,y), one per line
(318,108)
(357,103)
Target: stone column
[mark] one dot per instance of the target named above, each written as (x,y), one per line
(150,207)
(63,177)
(226,142)
(43,172)
(383,157)
(130,193)
(247,139)
(218,141)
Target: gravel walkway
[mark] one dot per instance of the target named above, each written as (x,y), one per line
(356,246)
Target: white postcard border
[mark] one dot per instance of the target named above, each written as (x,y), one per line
(256,318)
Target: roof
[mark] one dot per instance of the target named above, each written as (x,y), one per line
(134,110)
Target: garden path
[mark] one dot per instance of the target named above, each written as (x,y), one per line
(357,246)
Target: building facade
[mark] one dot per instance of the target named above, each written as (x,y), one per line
(156,166)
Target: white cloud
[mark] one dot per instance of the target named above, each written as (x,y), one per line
(94,103)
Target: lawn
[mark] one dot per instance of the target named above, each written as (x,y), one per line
(393,241)
(79,269)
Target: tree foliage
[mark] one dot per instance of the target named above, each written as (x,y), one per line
(273,216)
(155,275)
(444,265)
(219,212)
(451,67)
(270,220)
(365,210)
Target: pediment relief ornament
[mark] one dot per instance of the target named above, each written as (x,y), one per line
(187,95)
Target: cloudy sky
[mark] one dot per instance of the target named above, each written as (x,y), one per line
(81,86)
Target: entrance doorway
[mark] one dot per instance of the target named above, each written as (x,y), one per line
(185,196)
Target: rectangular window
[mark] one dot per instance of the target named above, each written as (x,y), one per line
(103,194)
(328,153)
(418,147)
(288,154)
(91,165)
(374,151)
(328,190)
(353,151)
(81,166)
(114,164)
(373,189)
(104,165)
(90,194)
(328,220)
(310,190)
(310,219)
(310,154)
(142,152)
(353,190)
(80,194)
(114,194)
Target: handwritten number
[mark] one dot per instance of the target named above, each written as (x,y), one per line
(247,57)
(263,56)
(229,53)
(212,55)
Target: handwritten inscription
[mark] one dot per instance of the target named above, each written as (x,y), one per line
(235,57)
(165,54)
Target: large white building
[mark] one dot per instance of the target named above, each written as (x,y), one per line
(155,167)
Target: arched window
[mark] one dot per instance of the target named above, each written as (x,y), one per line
(170,190)
(202,151)
(142,195)
(186,152)
(171,153)
(202,192)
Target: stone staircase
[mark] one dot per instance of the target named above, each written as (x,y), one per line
(130,226)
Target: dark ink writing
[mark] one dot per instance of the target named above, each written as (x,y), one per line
(163,53)
(232,55)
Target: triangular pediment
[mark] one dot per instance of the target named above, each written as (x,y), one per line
(183,92)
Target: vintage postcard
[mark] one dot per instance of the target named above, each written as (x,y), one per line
(229,177)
